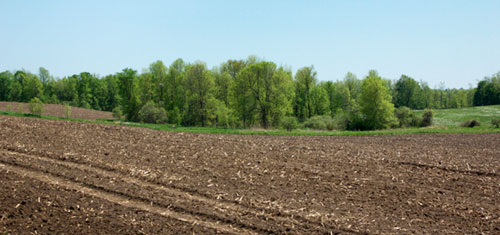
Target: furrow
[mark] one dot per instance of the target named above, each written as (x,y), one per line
(119,199)
(179,200)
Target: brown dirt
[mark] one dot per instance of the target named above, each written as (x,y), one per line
(58,110)
(205,183)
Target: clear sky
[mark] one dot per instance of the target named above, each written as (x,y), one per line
(455,42)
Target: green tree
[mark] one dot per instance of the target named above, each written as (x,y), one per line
(406,92)
(61,89)
(99,94)
(200,86)
(112,94)
(67,110)
(84,89)
(488,91)
(49,92)
(152,113)
(36,106)
(71,90)
(223,115)
(129,93)
(159,87)
(117,112)
(262,91)
(174,116)
(305,80)
(31,87)
(426,96)
(290,123)
(375,103)
(442,96)
(18,86)
(5,85)
(339,97)
(319,101)
(176,89)
(345,98)
(44,75)
(242,100)
(281,95)
(223,85)
(233,67)
(16,91)
(353,84)
(329,88)
(146,88)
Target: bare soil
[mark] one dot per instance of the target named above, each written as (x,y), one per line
(69,177)
(58,110)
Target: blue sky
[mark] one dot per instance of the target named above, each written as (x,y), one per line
(455,42)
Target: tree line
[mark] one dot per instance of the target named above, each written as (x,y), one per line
(242,93)
(488,91)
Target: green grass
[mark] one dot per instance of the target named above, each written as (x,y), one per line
(445,121)
(454,117)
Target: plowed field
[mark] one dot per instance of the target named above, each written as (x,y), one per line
(58,110)
(71,177)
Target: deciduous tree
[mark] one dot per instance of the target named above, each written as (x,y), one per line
(129,93)
(200,97)
(375,103)
(305,80)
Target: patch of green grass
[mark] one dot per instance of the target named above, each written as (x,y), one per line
(106,120)
(454,117)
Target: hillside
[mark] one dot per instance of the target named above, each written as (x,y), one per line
(58,110)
